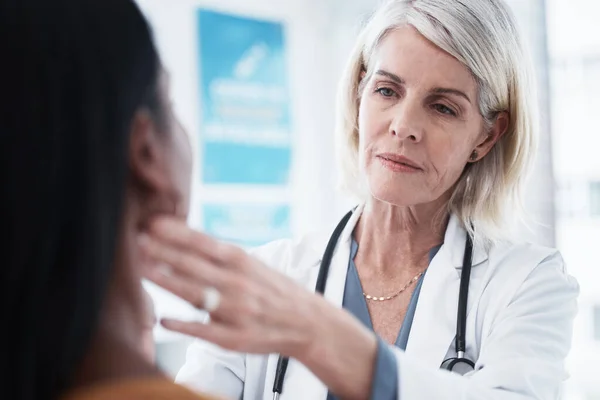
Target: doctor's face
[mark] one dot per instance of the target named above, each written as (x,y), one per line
(419,120)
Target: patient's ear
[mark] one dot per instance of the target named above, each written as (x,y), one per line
(150,176)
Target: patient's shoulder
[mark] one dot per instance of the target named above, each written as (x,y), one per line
(146,389)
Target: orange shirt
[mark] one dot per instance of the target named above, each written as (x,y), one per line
(146,389)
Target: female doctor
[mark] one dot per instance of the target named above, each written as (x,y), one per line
(425,294)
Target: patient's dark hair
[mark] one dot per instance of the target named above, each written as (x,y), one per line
(72,75)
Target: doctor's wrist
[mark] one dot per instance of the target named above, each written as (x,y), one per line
(340,351)
(304,344)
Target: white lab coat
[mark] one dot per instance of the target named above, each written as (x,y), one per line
(520,313)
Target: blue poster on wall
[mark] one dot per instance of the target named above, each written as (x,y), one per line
(247,225)
(245,130)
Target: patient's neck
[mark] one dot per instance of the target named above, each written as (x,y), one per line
(114,352)
(109,359)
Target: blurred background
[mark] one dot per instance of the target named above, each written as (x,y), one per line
(254,83)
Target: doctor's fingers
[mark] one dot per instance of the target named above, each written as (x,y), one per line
(240,286)
(211,332)
(177,233)
(224,336)
(199,295)
(181,262)
(243,269)
(236,303)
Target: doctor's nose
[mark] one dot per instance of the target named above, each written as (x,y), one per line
(407,122)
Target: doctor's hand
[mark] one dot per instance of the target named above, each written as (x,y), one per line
(255,309)
(252,307)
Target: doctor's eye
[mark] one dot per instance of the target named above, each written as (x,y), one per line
(443,109)
(385,92)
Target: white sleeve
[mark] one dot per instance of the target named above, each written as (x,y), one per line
(211,369)
(523,356)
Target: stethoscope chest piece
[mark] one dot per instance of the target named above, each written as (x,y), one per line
(458,365)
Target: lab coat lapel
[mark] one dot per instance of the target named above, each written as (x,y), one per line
(434,324)
(336,282)
(300,382)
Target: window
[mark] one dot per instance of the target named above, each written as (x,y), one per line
(574,197)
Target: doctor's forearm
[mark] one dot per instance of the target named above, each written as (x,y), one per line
(342,353)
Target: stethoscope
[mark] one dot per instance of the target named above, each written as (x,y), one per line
(459,364)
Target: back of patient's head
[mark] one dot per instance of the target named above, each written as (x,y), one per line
(72,73)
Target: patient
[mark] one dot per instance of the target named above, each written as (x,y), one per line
(89,151)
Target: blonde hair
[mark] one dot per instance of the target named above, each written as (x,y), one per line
(482,35)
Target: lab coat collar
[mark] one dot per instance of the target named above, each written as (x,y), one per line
(322,238)
(338,269)
(455,239)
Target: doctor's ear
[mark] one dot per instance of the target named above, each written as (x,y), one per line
(489,139)
(362,76)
